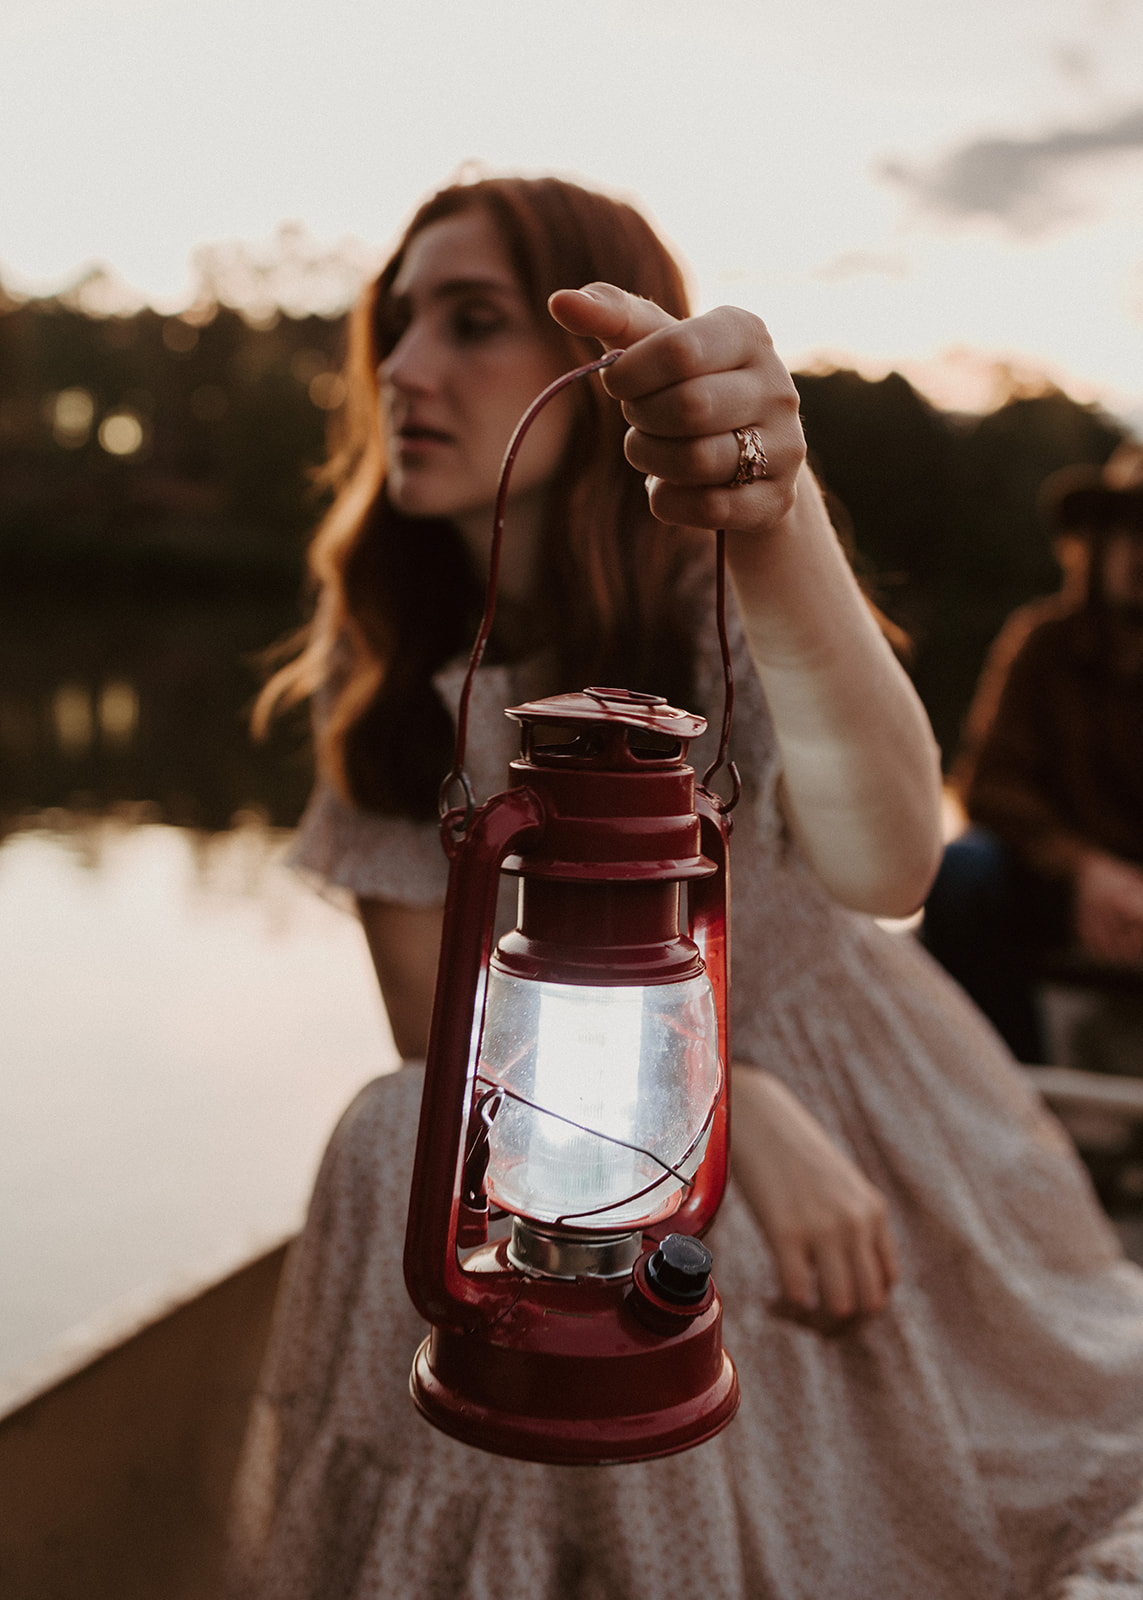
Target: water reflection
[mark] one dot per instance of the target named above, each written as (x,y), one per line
(143,701)
(183,1022)
(118,713)
(80,717)
(71,715)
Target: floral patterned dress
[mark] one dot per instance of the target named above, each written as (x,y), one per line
(982,1439)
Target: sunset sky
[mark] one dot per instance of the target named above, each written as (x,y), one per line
(888,182)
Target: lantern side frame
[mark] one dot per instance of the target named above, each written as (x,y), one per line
(708,924)
(438,1286)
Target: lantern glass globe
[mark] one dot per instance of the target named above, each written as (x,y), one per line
(606,1088)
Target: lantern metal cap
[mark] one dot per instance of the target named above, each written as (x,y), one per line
(649,713)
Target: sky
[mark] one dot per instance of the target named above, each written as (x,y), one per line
(953,190)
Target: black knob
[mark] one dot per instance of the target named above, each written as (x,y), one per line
(680,1269)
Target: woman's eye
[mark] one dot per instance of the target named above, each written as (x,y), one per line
(472,323)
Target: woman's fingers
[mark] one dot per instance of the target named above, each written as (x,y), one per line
(837,1277)
(841,1264)
(711,462)
(873,1278)
(712,405)
(827,1225)
(674,359)
(614,317)
(852,1272)
(750,509)
(679,380)
(832,1284)
(887,1254)
(706,375)
(685,387)
(796,1273)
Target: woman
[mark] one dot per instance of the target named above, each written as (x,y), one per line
(976,1429)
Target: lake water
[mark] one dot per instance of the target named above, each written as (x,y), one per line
(181,1022)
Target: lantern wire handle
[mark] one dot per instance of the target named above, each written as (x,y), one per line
(458,824)
(456,820)
(724,806)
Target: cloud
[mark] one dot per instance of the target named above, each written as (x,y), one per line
(1075,65)
(1014,180)
(864,264)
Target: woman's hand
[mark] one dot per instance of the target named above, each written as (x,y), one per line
(684,388)
(825,1222)
(861,781)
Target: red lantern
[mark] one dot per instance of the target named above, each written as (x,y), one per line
(576,1085)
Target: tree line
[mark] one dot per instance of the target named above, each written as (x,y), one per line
(151,454)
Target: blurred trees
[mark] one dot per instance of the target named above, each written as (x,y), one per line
(945,512)
(155,502)
(160,449)
(157,456)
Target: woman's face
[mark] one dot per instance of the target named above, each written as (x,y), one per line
(462,359)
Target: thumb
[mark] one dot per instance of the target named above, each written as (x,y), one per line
(614,317)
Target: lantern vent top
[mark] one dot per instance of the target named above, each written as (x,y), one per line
(622,726)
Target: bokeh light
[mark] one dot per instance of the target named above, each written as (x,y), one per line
(179,336)
(118,711)
(121,433)
(72,414)
(306,363)
(72,719)
(327,390)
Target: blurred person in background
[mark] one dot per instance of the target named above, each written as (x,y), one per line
(975,1428)
(1051,775)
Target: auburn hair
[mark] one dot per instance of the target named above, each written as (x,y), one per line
(396,597)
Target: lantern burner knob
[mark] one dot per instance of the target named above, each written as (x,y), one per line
(680,1269)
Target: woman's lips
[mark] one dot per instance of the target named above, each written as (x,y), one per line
(415,436)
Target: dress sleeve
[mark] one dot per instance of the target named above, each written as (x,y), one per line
(341,847)
(346,851)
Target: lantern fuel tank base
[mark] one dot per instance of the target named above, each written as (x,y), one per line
(581,1373)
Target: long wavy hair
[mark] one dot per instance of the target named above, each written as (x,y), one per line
(397,597)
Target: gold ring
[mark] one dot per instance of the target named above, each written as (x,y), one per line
(752,463)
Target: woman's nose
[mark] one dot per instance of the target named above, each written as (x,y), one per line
(412,365)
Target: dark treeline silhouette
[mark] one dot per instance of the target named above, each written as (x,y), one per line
(155,500)
(158,448)
(945,511)
(156,492)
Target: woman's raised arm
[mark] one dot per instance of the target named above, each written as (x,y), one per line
(861,772)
